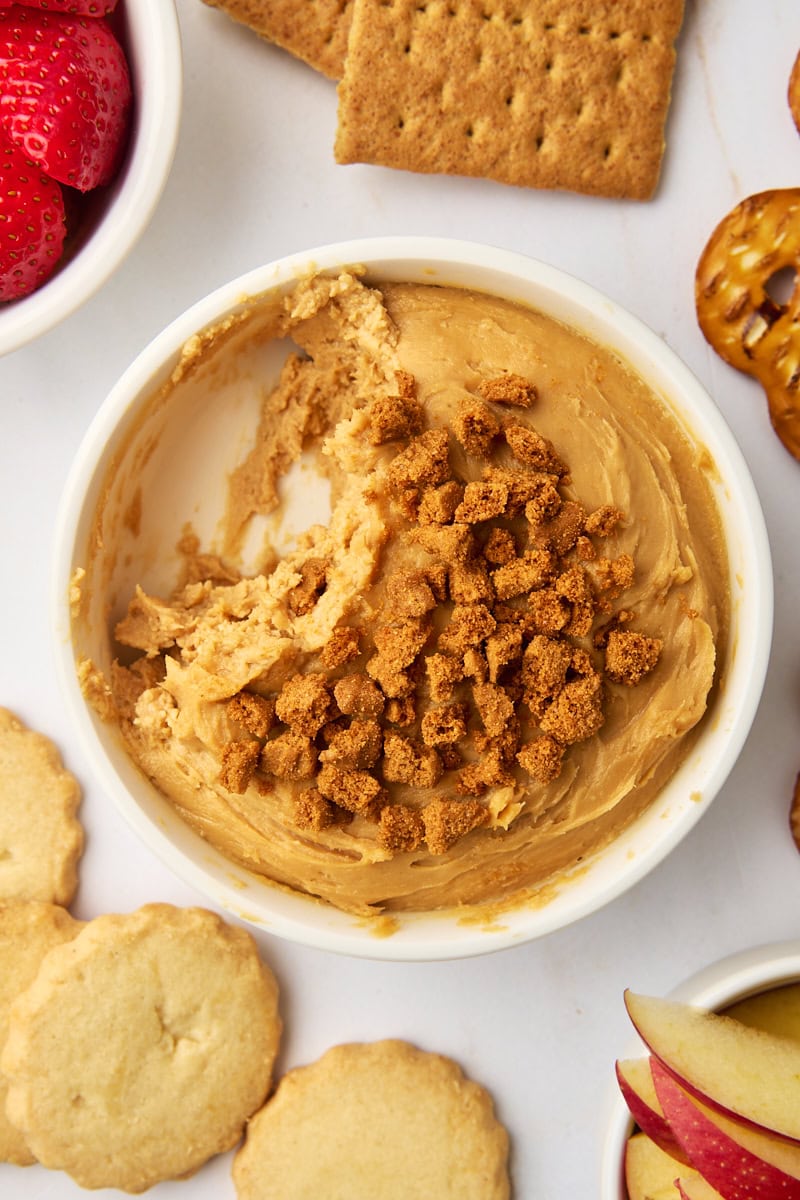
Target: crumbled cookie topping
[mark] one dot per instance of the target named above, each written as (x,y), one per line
(477,428)
(509,389)
(489,657)
(255,713)
(239,762)
(394,417)
(630,656)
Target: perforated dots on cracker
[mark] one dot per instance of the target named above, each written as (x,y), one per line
(545,94)
(41,839)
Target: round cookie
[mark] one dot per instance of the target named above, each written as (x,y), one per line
(142,1047)
(41,839)
(28,930)
(375,1121)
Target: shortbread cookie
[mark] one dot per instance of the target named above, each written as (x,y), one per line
(375,1121)
(142,1047)
(28,930)
(314,30)
(550,94)
(41,839)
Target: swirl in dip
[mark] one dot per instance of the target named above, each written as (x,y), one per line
(489,658)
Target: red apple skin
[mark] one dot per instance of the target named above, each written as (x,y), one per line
(648,1016)
(640,1096)
(735,1172)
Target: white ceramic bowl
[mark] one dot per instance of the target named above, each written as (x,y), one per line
(116,216)
(419,936)
(715,987)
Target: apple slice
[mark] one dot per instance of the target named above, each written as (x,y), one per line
(741,1162)
(650,1174)
(741,1071)
(638,1091)
(776,1011)
(696,1188)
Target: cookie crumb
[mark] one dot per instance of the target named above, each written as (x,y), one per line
(482,501)
(356,791)
(312,811)
(494,707)
(520,575)
(614,575)
(630,656)
(447,821)
(394,418)
(291,755)
(342,647)
(313,581)
(444,725)
(423,463)
(576,712)
(401,712)
(357,695)
(305,703)
(476,428)
(603,521)
(255,713)
(406,760)
(509,389)
(239,762)
(535,451)
(499,546)
(357,747)
(401,828)
(438,505)
(542,759)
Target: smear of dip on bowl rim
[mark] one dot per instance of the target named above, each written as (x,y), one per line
(408,583)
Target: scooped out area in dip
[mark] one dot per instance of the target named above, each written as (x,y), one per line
(487,661)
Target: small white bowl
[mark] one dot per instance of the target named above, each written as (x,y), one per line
(435,935)
(116,216)
(717,986)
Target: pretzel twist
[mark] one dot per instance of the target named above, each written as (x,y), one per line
(738,317)
(794,92)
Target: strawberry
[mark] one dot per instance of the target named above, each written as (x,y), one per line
(84,8)
(32,227)
(65,94)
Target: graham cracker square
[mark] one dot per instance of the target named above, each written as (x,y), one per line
(569,94)
(312,30)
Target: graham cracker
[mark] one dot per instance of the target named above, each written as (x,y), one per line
(312,30)
(568,94)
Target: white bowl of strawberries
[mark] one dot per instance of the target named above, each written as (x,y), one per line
(708,1106)
(90,100)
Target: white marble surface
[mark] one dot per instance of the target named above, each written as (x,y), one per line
(254,179)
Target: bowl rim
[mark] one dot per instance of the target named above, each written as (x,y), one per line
(734,977)
(434,936)
(134,195)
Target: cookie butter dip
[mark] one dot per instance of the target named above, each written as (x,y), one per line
(491,656)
